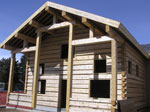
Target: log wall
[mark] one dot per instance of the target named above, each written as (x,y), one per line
(83,72)
(136,91)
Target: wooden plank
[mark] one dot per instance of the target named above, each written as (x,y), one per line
(114,74)
(24,24)
(36,68)
(11,75)
(69,17)
(24,50)
(55,26)
(90,25)
(70,62)
(91,32)
(112,33)
(25,44)
(53,12)
(35,24)
(26,77)
(8,47)
(54,19)
(90,41)
(25,37)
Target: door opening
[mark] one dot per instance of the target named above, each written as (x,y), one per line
(63,93)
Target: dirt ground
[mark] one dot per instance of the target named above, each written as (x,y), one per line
(10,110)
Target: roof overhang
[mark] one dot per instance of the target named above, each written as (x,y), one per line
(115,24)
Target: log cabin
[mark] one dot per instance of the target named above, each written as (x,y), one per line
(77,62)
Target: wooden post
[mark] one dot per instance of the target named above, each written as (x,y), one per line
(36,68)
(114,74)
(26,77)
(11,75)
(69,76)
(91,32)
(54,19)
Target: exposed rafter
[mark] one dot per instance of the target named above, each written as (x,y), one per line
(35,24)
(8,47)
(53,12)
(111,32)
(69,17)
(90,25)
(25,37)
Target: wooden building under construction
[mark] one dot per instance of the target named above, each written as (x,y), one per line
(78,62)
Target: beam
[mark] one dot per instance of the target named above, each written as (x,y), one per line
(8,47)
(88,23)
(70,61)
(11,75)
(112,33)
(55,26)
(36,69)
(69,17)
(35,24)
(91,41)
(53,12)
(38,25)
(114,74)
(25,37)
(24,50)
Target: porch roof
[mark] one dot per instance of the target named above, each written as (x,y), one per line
(43,14)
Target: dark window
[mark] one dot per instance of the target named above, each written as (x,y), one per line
(129,67)
(41,69)
(137,70)
(100,66)
(64,51)
(41,86)
(100,88)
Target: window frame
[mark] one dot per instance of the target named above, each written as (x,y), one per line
(61,50)
(129,67)
(43,68)
(94,66)
(137,70)
(39,92)
(89,90)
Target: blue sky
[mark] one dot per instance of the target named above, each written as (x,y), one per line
(134,14)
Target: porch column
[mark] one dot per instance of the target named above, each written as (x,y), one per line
(69,75)
(36,68)
(114,74)
(11,75)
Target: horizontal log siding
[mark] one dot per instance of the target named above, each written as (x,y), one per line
(84,62)
(135,84)
(56,69)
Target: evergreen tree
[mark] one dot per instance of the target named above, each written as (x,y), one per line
(19,72)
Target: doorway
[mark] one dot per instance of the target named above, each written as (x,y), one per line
(63,93)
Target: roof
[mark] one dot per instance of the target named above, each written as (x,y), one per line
(99,19)
(146,47)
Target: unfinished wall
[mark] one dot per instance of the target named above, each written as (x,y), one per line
(135,84)
(83,65)
(83,71)
(147,77)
